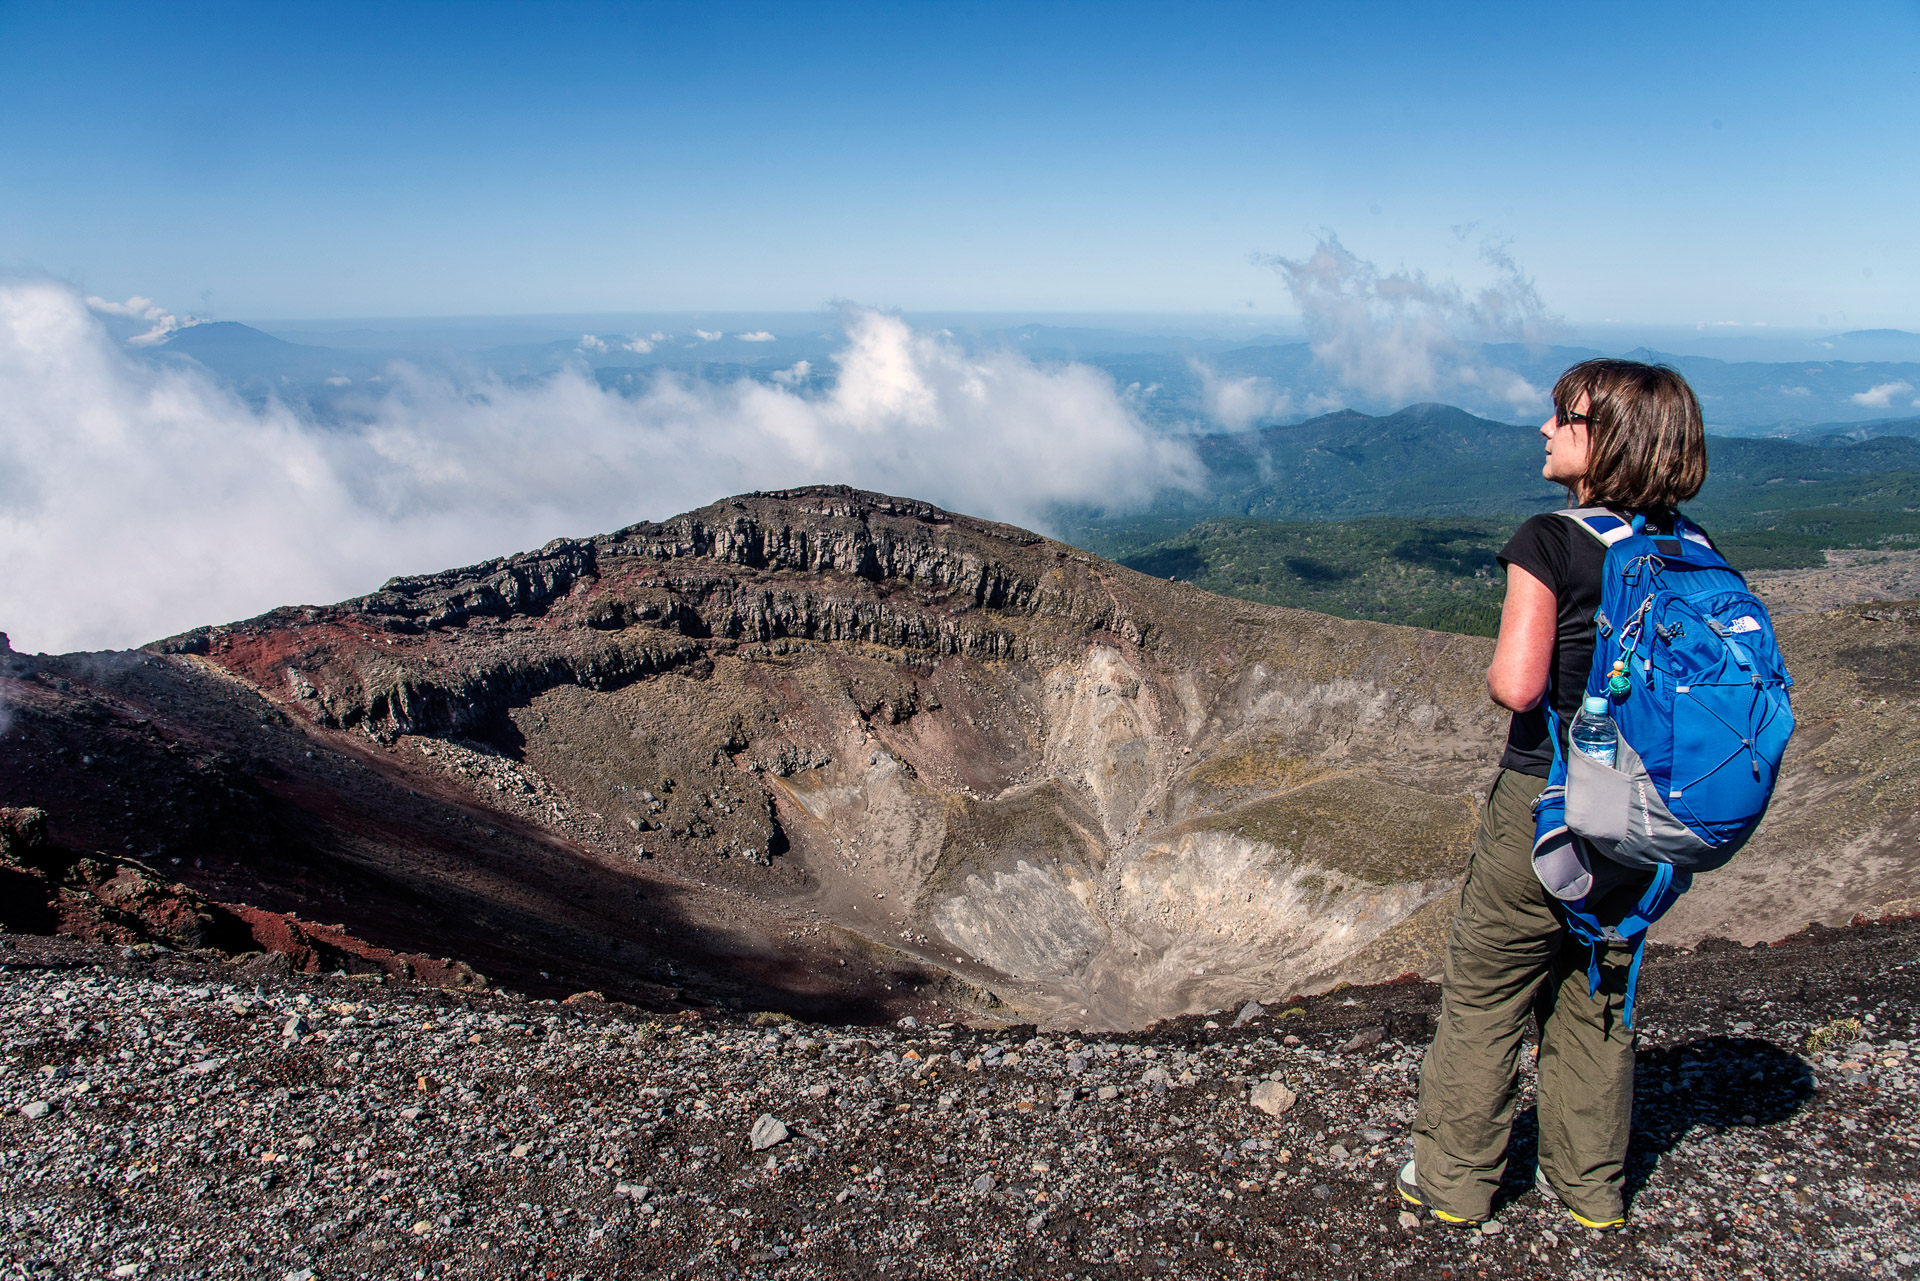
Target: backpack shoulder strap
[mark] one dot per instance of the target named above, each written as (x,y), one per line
(1601,523)
(1693,533)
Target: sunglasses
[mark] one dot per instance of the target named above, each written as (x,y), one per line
(1566,419)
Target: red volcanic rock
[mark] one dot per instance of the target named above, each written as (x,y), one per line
(101,898)
(313,948)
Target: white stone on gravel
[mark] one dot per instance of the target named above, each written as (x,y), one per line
(767,1131)
(1273,1098)
(35,1110)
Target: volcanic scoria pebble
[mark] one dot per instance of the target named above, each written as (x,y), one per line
(161,1116)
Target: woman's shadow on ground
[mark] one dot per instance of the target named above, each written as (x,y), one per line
(1717,1083)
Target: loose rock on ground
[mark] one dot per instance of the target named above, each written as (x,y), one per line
(166,1118)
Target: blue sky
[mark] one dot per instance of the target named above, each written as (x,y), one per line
(1701,163)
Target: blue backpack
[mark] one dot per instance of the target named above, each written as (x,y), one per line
(1686,657)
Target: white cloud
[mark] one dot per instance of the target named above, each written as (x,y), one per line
(1881,397)
(1403,336)
(1238,403)
(1503,385)
(163,321)
(339,380)
(704,336)
(134,308)
(758,335)
(595,344)
(137,500)
(797,374)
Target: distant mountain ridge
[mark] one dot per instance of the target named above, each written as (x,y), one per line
(1170,379)
(1438,460)
(254,360)
(1838,433)
(1395,517)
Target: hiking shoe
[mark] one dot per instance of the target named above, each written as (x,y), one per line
(1546,1189)
(1409,1188)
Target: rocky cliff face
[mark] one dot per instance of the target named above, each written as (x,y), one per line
(846,750)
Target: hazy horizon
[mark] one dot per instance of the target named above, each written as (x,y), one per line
(558,269)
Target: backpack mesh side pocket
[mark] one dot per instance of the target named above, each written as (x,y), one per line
(1599,797)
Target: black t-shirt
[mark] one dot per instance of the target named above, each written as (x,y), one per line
(1568,560)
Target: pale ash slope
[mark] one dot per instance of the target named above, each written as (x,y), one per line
(1851,576)
(1104,797)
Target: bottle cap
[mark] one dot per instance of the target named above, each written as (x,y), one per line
(1596,705)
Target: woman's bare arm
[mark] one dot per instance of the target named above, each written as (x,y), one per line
(1517,678)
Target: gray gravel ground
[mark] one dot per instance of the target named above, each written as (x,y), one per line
(168,1116)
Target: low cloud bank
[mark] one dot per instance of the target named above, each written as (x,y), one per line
(1881,396)
(1238,402)
(140,498)
(1403,336)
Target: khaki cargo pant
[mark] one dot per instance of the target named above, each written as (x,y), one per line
(1509,957)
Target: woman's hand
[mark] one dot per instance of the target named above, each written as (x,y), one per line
(1523,656)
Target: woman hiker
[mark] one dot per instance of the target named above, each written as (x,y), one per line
(1628,437)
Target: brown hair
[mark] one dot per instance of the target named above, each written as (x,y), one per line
(1646,443)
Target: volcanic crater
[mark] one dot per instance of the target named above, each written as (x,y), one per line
(853,756)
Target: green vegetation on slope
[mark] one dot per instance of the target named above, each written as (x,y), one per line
(1441,574)
(1426,573)
(1398,518)
(1797,539)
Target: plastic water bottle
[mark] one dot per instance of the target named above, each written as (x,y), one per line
(1593,732)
